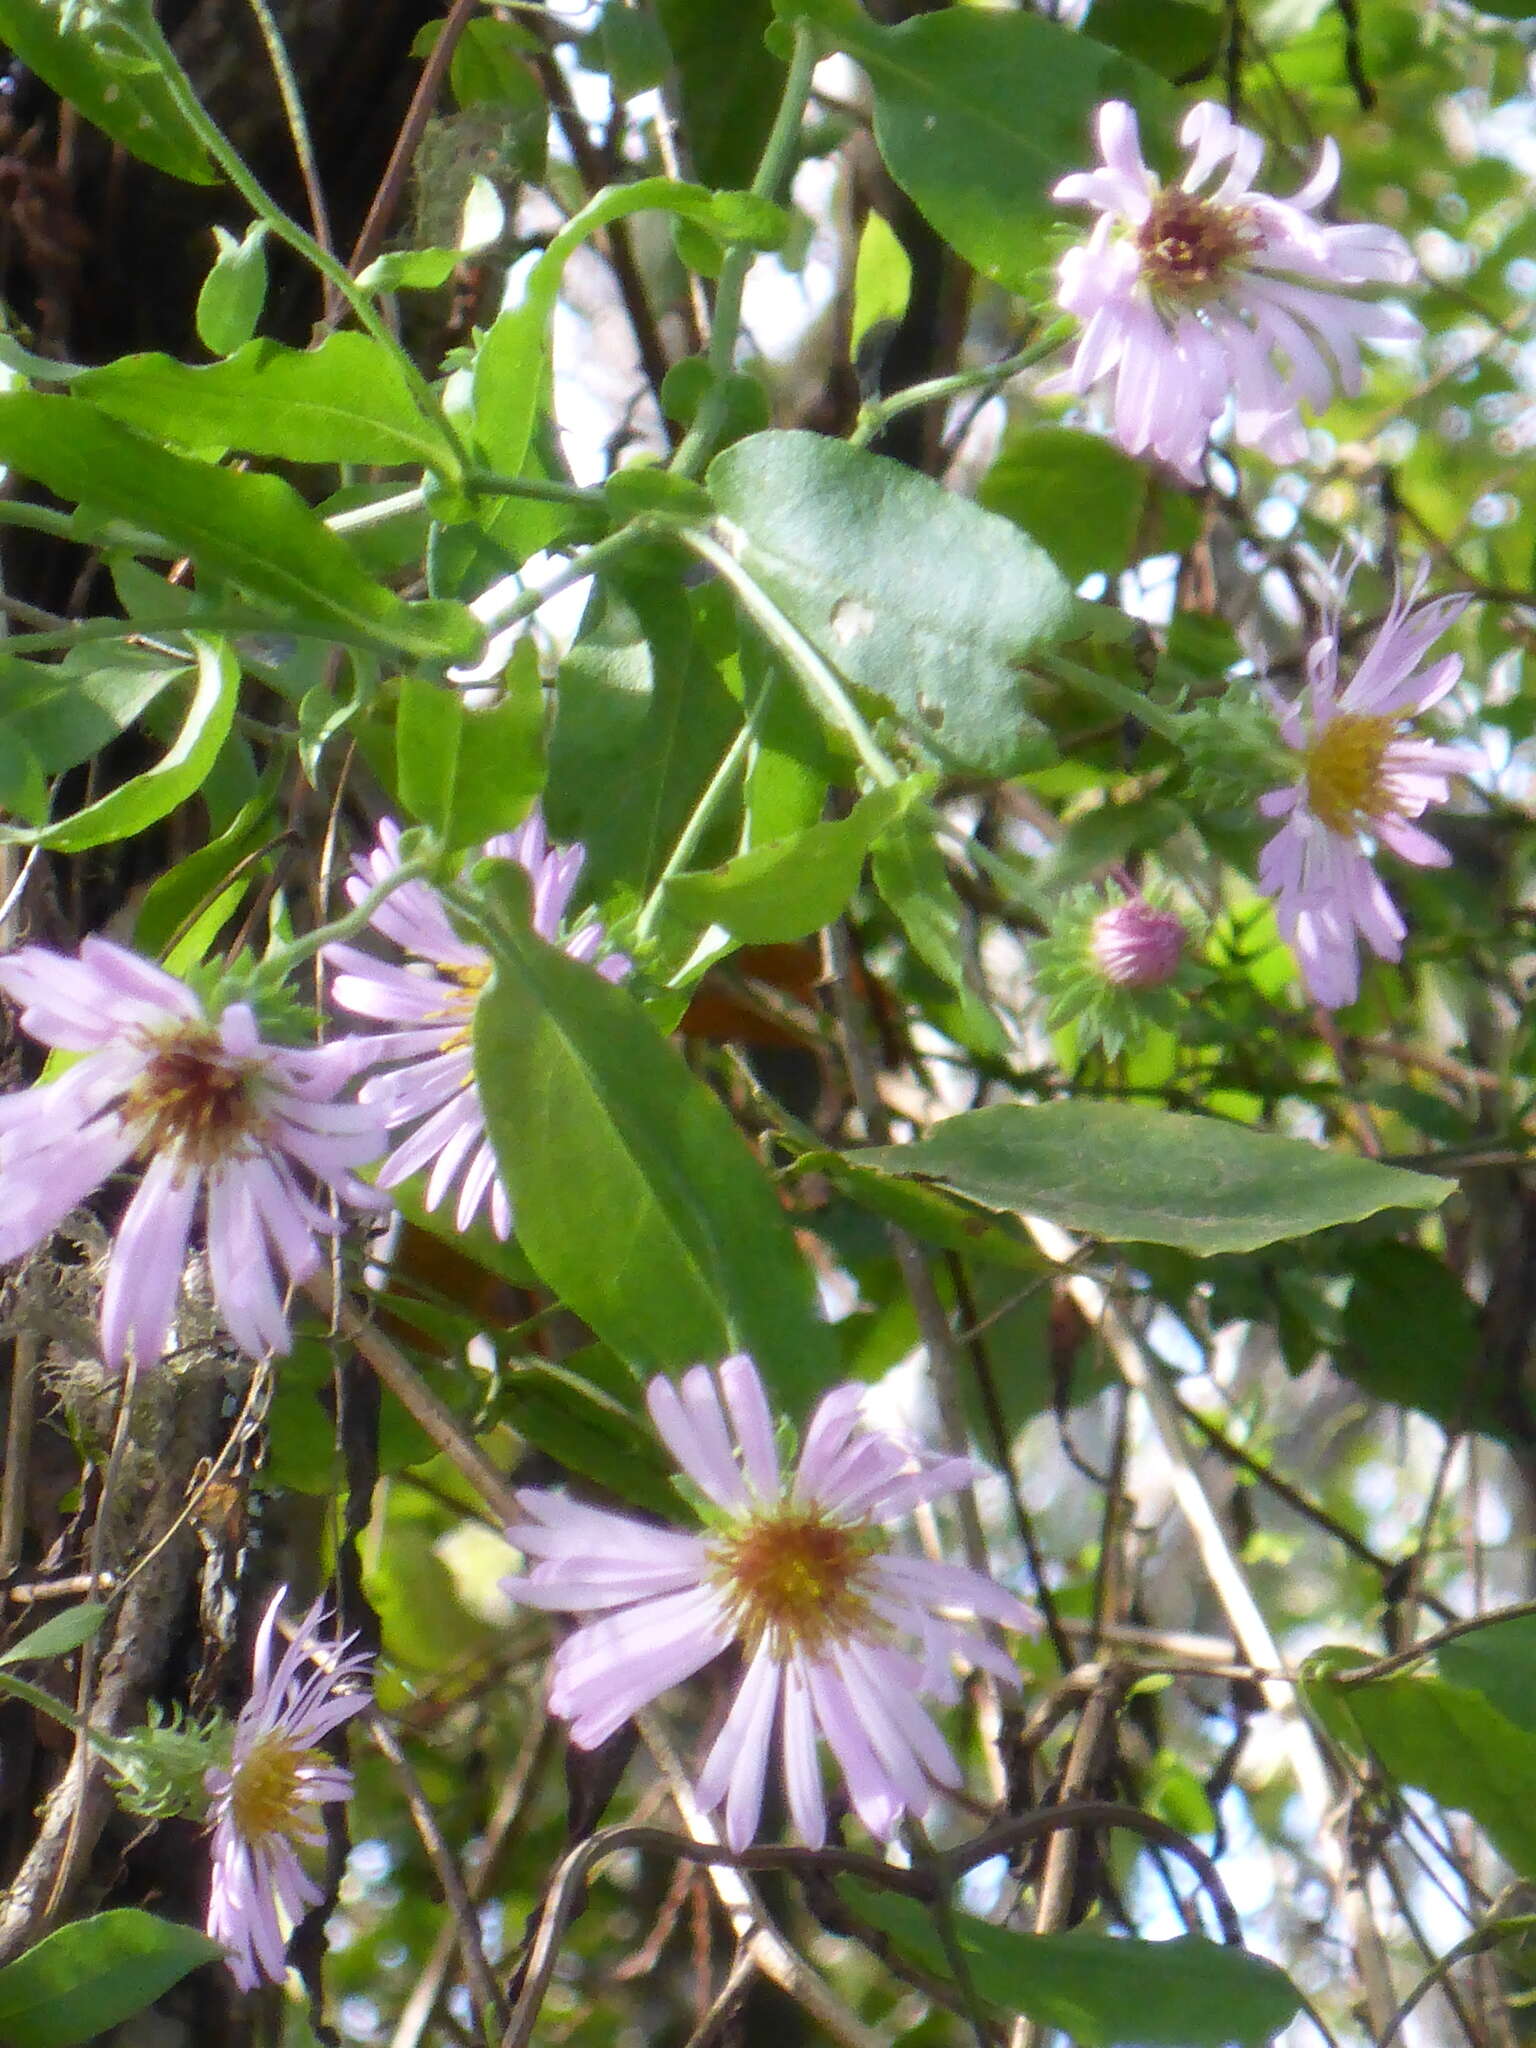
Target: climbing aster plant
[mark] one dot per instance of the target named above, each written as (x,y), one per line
(765,903)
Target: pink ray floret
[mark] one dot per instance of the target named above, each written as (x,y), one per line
(841,1634)
(262,1807)
(223,1124)
(1360,778)
(428,1059)
(1209,290)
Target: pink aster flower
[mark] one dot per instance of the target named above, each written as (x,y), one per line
(430,1081)
(262,1806)
(1196,293)
(842,1634)
(1360,777)
(221,1122)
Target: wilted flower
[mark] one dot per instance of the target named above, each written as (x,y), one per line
(216,1117)
(1190,297)
(1358,776)
(433,1000)
(801,1574)
(262,1804)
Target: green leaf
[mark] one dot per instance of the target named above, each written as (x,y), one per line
(910,591)
(200,880)
(178,774)
(256,530)
(1130,1174)
(789,887)
(509,367)
(925,1211)
(345,401)
(634,49)
(635,1195)
(1101,1992)
(409,270)
(234,291)
(1175,38)
(23,785)
(57,1636)
(911,876)
(978,113)
(1076,494)
(66,711)
(567,1417)
(472,773)
(1410,1335)
(91,1976)
(1498,1661)
(882,281)
(1447,1740)
(642,719)
(729,83)
(89,61)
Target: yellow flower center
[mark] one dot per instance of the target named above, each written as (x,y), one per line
(461,1004)
(264,1797)
(192,1096)
(1185,243)
(1344,767)
(794,1577)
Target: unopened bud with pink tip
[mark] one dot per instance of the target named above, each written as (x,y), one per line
(1114,969)
(1136,945)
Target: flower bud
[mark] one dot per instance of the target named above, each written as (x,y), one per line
(1135,945)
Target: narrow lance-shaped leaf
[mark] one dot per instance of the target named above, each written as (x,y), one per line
(1102,1992)
(89,1977)
(1130,1174)
(789,887)
(346,401)
(634,1194)
(58,1635)
(255,530)
(509,367)
(82,53)
(178,774)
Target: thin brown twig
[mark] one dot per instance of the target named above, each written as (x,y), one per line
(18,1440)
(512,1806)
(412,128)
(923,1885)
(615,237)
(1058,1880)
(1282,1489)
(419,1402)
(480,1982)
(1401,1660)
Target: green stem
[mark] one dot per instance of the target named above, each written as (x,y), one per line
(288,230)
(703,811)
(527,602)
(356,517)
(293,113)
(878,414)
(41,518)
(89,630)
(278,965)
(697,444)
(543,490)
(1133,703)
(42,1702)
(818,674)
